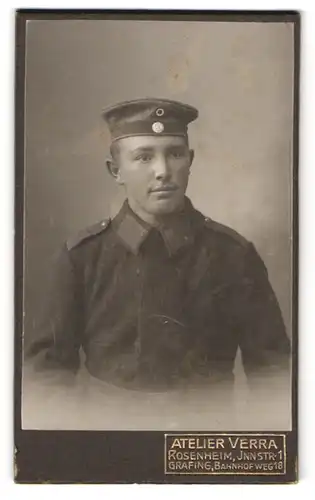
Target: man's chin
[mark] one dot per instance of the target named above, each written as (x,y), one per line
(164,207)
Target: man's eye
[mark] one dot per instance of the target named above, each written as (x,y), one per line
(144,158)
(176,154)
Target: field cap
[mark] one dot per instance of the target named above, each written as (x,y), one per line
(149,116)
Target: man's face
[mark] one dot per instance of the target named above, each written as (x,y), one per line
(154,172)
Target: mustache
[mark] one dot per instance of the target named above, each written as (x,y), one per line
(163,187)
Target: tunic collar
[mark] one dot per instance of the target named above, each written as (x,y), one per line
(177,230)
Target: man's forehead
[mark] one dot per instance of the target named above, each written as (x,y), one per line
(151,142)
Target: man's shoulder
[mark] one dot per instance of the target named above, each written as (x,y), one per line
(224,233)
(88,233)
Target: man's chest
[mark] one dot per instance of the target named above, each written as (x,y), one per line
(124,285)
(157,309)
(151,282)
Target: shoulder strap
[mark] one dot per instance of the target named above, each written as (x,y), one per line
(221,228)
(93,230)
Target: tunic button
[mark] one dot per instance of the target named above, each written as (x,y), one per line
(138,272)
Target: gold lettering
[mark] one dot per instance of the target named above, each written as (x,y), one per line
(272,444)
(176,443)
(211,443)
(220,443)
(191,443)
(234,442)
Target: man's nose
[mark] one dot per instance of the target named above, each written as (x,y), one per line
(161,168)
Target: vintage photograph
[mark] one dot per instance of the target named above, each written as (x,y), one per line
(158,225)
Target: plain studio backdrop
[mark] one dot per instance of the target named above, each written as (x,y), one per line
(239,76)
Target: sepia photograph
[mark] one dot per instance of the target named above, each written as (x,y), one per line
(158,236)
(156,246)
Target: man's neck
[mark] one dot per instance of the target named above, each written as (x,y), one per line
(151,219)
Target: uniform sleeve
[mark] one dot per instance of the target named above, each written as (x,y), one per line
(57,343)
(263,341)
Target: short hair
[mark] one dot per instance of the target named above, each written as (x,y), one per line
(114,150)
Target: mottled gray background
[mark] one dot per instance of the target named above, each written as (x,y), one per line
(240,77)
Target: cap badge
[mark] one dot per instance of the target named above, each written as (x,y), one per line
(159,112)
(158,127)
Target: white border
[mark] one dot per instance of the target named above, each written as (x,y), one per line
(307,266)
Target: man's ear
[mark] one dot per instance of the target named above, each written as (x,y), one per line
(191,155)
(113,169)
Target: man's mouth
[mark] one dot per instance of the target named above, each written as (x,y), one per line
(163,189)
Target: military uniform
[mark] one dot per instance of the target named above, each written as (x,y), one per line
(165,307)
(160,307)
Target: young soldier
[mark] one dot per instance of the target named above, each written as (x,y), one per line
(160,297)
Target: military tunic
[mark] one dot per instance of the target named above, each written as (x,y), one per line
(161,307)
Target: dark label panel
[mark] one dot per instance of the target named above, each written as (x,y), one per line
(234,454)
